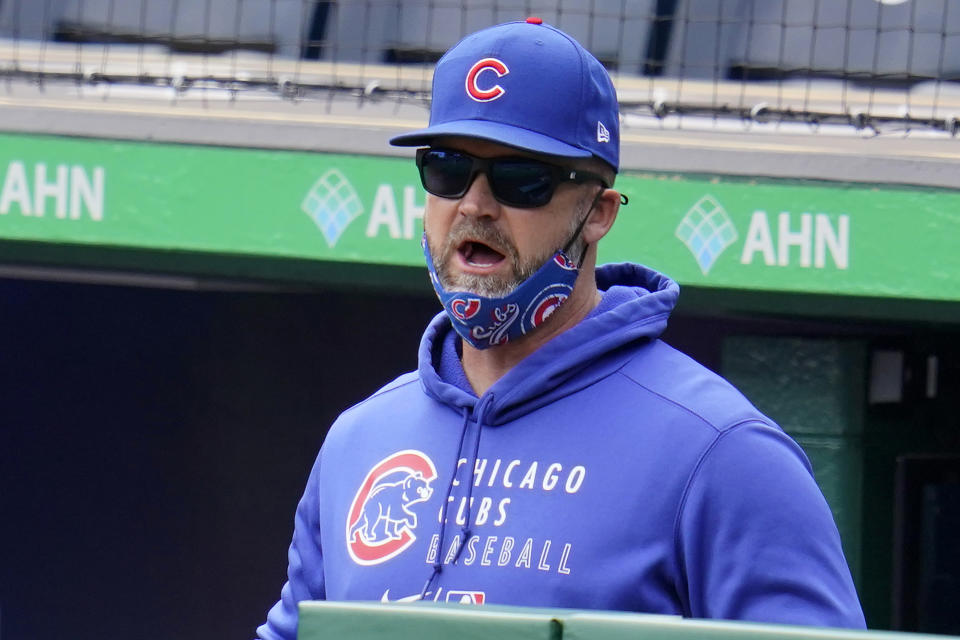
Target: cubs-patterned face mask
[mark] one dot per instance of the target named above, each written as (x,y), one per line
(489,321)
(486,321)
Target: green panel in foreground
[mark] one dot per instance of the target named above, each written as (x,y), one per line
(603,626)
(375,621)
(416,621)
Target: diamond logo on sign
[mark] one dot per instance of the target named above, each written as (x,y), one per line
(332,203)
(707,231)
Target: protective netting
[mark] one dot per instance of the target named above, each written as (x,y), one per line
(877,65)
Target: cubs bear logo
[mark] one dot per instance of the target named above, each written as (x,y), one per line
(381,523)
(465,309)
(474,90)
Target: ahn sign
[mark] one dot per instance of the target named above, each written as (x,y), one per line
(65,192)
(807,240)
(810,242)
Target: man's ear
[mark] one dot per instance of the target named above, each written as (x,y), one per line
(602,217)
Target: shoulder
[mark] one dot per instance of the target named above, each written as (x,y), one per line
(388,393)
(368,417)
(676,379)
(398,384)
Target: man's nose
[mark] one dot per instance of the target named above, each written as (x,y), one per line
(478,201)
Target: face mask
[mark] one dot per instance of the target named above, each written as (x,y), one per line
(486,322)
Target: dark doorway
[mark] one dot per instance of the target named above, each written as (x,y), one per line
(154,444)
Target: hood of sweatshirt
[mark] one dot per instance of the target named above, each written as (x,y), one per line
(637,302)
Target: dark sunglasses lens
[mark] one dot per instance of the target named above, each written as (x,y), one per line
(445,173)
(522,183)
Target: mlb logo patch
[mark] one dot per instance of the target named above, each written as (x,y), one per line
(466,597)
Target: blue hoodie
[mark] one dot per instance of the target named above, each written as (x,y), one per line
(605,471)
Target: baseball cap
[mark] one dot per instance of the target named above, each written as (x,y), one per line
(527,85)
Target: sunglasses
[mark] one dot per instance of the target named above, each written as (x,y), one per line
(515,181)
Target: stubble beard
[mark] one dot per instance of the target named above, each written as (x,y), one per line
(495,286)
(490,286)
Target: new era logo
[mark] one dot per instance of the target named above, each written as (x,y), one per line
(603,135)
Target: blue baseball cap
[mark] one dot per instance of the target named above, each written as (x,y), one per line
(526,85)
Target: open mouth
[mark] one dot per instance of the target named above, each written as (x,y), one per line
(477,254)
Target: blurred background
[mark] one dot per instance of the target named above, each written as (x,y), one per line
(208,250)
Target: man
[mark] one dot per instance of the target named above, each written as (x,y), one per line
(549,450)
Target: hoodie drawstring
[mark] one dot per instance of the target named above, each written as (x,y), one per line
(438,562)
(465,530)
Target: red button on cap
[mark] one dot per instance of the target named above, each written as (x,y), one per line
(533,20)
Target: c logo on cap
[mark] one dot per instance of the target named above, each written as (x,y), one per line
(473,88)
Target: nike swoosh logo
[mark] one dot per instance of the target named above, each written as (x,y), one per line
(386,597)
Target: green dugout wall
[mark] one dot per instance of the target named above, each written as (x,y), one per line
(778,247)
(305,216)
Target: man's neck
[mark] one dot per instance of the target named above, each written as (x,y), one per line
(484,367)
